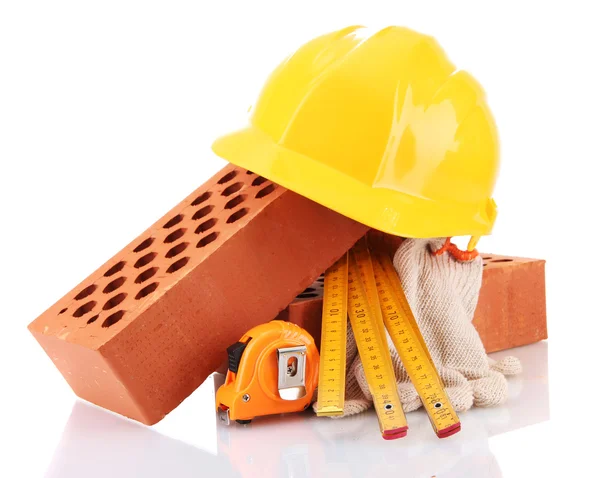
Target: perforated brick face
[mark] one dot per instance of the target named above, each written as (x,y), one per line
(150,266)
(511,310)
(143,331)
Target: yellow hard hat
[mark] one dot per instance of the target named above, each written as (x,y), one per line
(380,127)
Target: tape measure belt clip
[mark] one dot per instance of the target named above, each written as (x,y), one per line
(292,368)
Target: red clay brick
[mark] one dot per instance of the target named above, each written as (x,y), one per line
(144,331)
(512,303)
(511,309)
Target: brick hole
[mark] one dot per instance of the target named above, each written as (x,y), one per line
(89,290)
(147,259)
(114,269)
(205,211)
(249,172)
(146,291)
(178,249)
(178,234)
(259,180)
(485,264)
(502,260)
(205,226)
(309,290)
(234,188)
(178,265)
(147,274)
(206,240)
(62,311)
(93,319)
(266,191)
(237,215)
(174,221)
(114,301)
(113,318)
(144,245)
(114,285)
(202,198)
(84,309)
(236,201)
(310,295)
(486,258)
(321,280)
(228,177)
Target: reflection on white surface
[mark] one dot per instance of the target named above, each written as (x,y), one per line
(97,443)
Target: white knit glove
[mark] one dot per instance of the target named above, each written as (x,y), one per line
(442,292)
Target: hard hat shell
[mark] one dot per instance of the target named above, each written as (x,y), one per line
(380,127)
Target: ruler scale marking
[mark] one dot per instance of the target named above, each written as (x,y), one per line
(366,290)
(413,352)
(367,274)
(373,353)
(332,367)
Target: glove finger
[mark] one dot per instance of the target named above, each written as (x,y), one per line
(458,389)
(359,373)
(351,350)
(490,391)
(452,378)
(508,366)
(351,407)
(399,371)
(353,390)
(409,397)
(461,396)
(354,407)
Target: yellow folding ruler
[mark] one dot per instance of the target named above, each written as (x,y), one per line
(371,342)
(346,294)
(375,298)
(332,365)
(410,345)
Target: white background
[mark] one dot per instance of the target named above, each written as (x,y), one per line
(107,113)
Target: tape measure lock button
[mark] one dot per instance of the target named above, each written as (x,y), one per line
(234,355)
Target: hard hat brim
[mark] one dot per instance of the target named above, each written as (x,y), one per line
(387,210)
